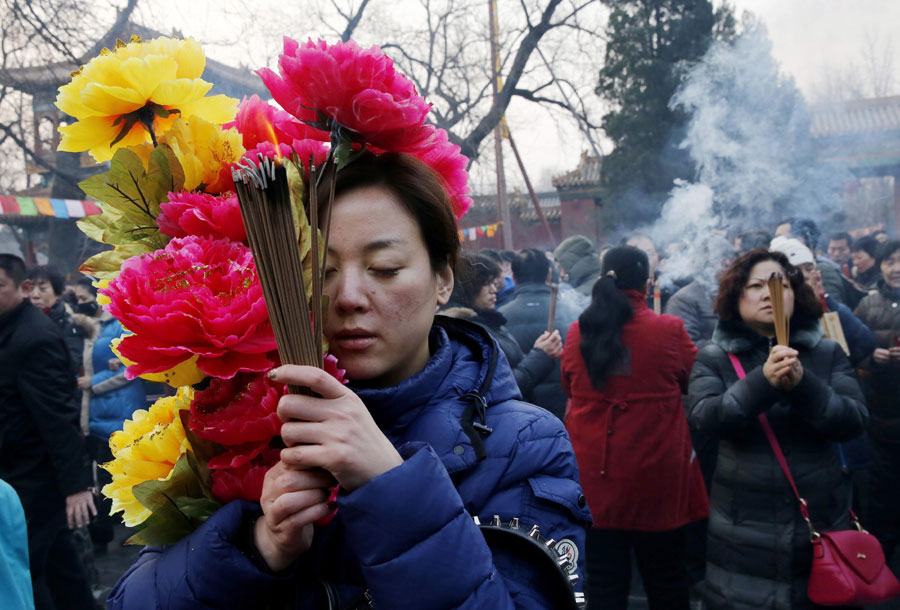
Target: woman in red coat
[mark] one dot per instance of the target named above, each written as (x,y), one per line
(625,369)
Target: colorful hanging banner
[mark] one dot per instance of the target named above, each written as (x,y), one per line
(473,233)
(39,206)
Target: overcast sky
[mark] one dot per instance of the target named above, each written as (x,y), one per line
(809,37)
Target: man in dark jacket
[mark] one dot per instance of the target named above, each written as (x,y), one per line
(42,453)
(694,305)
(527,316)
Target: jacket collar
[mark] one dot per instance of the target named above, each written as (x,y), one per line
(429,405)
(637,299)
(735,337)
(891,294)
(530,288)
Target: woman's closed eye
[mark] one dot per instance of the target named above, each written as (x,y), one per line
(386,271)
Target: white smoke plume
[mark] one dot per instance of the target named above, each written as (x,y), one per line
(748,135)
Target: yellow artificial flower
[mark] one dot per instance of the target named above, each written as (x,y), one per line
(145,449)
(102,299)
(205,152)
(134,93)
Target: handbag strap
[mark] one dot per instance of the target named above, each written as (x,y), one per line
(779,454)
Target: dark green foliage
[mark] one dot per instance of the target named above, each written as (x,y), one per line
(651,44)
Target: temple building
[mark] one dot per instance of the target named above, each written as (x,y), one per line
(43,214)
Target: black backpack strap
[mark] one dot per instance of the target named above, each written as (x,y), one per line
(476,398)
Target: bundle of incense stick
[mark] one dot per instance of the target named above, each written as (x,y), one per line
(264,196)
(657,299)
(551,317)
(776,293)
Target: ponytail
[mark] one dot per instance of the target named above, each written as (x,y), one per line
(624,268)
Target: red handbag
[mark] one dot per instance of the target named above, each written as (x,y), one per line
(848,566)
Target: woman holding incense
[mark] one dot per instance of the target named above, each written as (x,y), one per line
(624,369)
(758,549)
(880,311)
(429,434)
(474,298)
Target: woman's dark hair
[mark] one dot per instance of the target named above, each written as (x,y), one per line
(50,275)
(624,268)
(419,190)
(841,236)
(867,244)
(885,250)
(473,272)
(88,284)
(530,265)
(734,279)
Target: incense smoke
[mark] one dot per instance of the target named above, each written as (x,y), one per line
(748,135)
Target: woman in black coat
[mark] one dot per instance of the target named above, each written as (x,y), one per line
(759,552)
(475,297)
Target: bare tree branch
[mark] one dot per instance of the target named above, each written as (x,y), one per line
(352,20)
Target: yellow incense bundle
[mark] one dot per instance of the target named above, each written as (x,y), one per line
(264,196)
(551,317)
(776,293)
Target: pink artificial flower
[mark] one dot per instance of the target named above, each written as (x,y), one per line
(202,215)
(198,297)
(242,409)
(357,88)
(310,148)
(258,121)
(449,164)
(331,367)
(303,149)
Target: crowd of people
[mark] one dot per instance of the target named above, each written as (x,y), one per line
(662,410)
(63,392)
(675,467)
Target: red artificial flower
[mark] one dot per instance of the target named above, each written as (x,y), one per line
(245,481)
(258,121)
(202,215)
(357,88)
(198,297)
(242,409)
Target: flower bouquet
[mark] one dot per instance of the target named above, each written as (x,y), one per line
(189,275)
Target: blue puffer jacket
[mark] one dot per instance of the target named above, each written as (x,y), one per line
(408,535)
(113,398)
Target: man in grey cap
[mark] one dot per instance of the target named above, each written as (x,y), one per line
(42,451)
(580,262)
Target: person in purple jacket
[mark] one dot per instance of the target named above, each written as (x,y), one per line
(429,441)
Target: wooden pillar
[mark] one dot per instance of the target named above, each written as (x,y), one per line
(897,202)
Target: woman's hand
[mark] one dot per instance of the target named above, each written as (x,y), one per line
(333,430)
(292,500)
(551,343)
(84,383)
(783,369)
(881,356)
